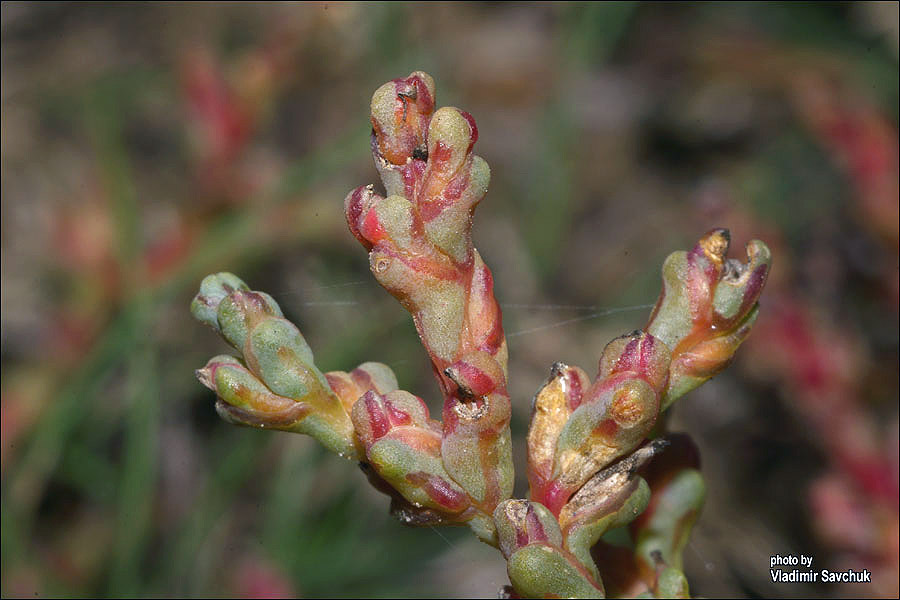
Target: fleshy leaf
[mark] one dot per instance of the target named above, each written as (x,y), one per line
(403,445)
(537,564)
(615,416)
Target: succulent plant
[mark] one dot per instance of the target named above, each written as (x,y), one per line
(592,465)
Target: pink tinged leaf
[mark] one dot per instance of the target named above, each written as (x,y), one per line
(553,405)
(440,490)
(378,423)
(397,416)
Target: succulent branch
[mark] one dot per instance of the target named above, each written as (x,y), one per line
(591,466)
(661,532)
(706,309)
(419,239)
(273,383)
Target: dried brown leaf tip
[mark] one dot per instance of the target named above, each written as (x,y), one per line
(706,309)
(584,432)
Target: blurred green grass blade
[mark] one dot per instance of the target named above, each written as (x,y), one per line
(234,234)
(236,467)
(40,458)
(594,29)
(548,222)
(293,480)
(104,116)
(588,34)
(328,160)
(103,110)
(137,477)
(239,230)
(89,471)
(230,236)
(11,540)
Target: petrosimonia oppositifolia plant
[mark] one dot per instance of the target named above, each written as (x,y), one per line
(597,458)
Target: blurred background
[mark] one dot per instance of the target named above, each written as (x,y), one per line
(146,145)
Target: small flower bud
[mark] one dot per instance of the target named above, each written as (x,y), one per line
(454,182)
(451,135)
(244,400)
(276,350)
(637,353)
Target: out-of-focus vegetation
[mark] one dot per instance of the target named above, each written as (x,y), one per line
(144,146)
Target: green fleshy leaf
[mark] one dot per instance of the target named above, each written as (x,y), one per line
(541,571)
(213,289)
